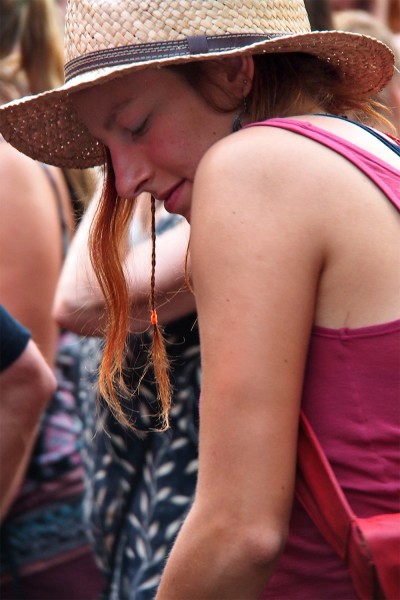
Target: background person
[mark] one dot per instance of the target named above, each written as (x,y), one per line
(320,14)
(45,551)
(362,22)
(26,385)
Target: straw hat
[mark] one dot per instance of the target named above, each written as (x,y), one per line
(108,38)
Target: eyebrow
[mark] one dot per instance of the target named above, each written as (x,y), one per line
(115,109)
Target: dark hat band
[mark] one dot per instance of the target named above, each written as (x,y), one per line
(190,46)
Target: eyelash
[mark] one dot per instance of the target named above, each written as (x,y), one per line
(141,129)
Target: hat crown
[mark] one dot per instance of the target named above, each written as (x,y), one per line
(94,25)
(106,39)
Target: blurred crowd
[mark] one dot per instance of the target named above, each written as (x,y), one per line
(377,18)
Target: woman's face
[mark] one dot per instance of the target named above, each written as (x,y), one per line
(157,128)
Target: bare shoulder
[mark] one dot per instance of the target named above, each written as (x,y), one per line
(29,204)
(264,170)
(14,164)
(22,180)
(26,187)
(256,149)
(255,197)
(287,171)
(266,154)
(282,195)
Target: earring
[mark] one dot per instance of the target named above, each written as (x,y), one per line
(237,123)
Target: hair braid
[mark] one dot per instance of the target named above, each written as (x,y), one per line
(159,356)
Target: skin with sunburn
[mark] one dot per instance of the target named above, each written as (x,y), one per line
(156,139)
(310,265)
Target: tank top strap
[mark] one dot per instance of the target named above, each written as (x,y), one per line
(390,142)
(385,176)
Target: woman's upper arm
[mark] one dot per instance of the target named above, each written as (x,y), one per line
(30,246)
(255,272)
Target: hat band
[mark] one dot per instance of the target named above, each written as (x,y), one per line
(190,46)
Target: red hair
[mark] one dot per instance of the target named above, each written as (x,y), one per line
(107,243)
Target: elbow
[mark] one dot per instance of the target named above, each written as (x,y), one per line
(49,384)
(27,387)
(43,384)
(68,308)
(66,321)
(251,549)
(86,318)
(62,312)
(261,547)
(44,388)
(251,555)
(68,316)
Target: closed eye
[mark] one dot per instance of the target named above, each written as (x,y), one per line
(140,129)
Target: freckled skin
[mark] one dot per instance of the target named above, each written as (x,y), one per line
(180,128)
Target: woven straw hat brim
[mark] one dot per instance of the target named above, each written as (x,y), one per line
(46,127)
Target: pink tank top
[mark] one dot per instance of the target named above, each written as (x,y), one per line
(351,396)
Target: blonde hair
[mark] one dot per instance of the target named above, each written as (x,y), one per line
(32,27)
(32,61)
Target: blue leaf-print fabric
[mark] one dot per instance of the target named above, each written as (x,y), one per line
(139,489)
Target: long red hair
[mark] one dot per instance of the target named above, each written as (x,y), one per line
(107,243)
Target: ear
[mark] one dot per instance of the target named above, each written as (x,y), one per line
(233,75)
(238,73)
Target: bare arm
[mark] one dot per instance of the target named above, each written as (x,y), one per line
(26,387)
(255,271)
(30,246)
(79,303)
(30,261)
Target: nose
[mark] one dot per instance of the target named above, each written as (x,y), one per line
(133,173)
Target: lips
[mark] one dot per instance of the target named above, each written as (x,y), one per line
(166,195)
(171,196)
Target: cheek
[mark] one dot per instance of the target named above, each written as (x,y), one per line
(174,150)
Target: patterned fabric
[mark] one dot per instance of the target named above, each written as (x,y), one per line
(140,489)
(46,520)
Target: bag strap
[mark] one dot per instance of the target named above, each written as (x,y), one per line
(325,503)
(323,499)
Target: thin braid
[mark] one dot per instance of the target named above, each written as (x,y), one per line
(158,351)
(153,262)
